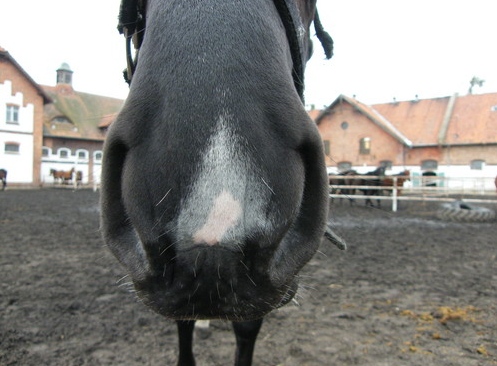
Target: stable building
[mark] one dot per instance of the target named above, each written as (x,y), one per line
(74,128)
(50,127)
(453,136)
(22,103)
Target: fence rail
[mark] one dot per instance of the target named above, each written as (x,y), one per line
(438,189)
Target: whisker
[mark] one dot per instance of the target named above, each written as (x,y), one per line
(122,278)
(267,185)
(251,280)
(162,199)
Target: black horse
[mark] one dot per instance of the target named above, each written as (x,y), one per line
(374,181)
(235,201)
(3,178)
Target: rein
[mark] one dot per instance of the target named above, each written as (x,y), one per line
(132,25)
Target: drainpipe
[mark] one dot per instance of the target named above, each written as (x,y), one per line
(442,134)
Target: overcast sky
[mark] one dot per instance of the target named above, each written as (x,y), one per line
(383,48)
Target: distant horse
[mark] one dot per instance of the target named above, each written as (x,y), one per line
(375,180)
(402,177)
(63,176)
(3,178)
(79,177)
(345,178)
(214,192)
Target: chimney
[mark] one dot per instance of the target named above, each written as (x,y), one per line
(64,74)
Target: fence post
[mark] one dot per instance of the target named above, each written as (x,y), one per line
(394,195)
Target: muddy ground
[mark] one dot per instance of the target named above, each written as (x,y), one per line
(410,290)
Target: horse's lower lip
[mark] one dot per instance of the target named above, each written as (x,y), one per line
(215,303)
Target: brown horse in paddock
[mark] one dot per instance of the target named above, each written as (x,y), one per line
(3,178)
(345,178)
(235,199)
(63,176)
(402,177)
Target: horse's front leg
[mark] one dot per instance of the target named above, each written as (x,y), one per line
(185,337)
(246,335)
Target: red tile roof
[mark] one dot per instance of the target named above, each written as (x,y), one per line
(420,120)
(474,120)
(456,120)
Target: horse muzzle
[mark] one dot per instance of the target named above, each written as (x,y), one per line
(206,282)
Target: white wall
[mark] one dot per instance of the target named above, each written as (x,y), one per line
(18,165)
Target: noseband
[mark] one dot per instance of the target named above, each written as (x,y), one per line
(132,24)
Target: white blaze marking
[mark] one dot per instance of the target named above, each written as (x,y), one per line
(215,210)
(224,214)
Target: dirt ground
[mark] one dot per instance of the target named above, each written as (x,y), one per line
(410,290)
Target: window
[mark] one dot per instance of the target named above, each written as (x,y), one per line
(64,153)
(477,164)
(64,77)
(12,148)
(98,155)
(365,146)
(12,115)
(326,144)
(61,119)
(344,125)
(429,165)
(344,166)
(82,154)
(387,164)
(45,152)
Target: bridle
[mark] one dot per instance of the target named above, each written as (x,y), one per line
(132,19)
(132,24)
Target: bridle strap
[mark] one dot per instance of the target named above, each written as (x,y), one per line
(132,25)
(130,68)
(290,17)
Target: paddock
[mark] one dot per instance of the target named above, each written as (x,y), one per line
(410,290)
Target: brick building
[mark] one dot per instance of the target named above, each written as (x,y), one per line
(450,136)
(21,122)
(50,127)
(74,127)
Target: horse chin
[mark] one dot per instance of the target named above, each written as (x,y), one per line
(213,283)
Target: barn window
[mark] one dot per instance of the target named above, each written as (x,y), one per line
(12,148)
(12,115)
(64,153)
(365,146)
(344,166)
(429,165)
(477,164)
(82,154)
